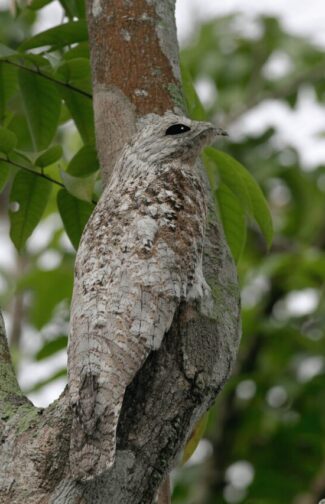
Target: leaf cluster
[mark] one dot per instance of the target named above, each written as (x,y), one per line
(44,85)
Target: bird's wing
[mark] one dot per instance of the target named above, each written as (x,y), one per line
(127,288)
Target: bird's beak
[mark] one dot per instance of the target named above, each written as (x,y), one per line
(221,132)
(209,133)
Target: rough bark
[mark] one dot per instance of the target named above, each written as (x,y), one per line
(135,72)
(135,68)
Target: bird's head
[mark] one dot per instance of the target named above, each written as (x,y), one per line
(172,137)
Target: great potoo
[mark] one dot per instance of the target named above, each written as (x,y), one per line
(139,257)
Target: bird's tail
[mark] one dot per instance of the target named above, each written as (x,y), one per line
(96,395)
(93,430)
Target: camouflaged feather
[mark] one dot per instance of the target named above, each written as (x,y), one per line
(140,256)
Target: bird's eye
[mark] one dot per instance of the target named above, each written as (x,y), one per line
(176,129)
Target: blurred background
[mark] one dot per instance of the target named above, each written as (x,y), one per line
(258,67)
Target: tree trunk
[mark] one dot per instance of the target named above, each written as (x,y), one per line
(134,59)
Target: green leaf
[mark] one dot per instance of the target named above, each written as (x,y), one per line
(48,288)
(30,194)
(84,162)
(77,73)
(50,156)
(59,36)
(8,85)
(80,187)
(21,159)
(244,186)
(38,4)
(79,51)
(29,61)
(6,51)
(51,347)
(75,215)
(74,8)
(261,210)
(81,110)
(37,60)
(228,174)
(18,125)
(74,69)
(4,174)
(42,104)
(233,220)
(8,140)
(194,107)
(195,437)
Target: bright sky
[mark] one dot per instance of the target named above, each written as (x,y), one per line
(296,127)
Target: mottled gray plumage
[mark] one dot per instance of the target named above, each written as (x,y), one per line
(140,255)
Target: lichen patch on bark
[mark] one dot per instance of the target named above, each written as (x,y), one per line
(96,8)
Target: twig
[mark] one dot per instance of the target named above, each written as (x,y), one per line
(39,174)
(48,77)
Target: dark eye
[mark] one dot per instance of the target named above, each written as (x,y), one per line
(176,129)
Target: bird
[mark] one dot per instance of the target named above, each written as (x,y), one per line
(139,258)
